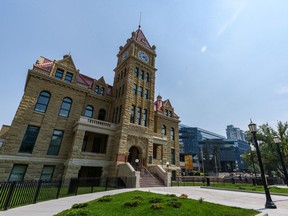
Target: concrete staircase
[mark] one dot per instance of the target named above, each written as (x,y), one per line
(148,180)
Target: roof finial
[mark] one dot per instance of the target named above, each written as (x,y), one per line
(140,20)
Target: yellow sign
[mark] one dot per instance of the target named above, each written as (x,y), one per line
(188,162)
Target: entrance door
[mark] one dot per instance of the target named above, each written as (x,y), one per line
(133,156)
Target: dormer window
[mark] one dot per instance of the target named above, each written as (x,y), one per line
(97,89)
(102,91)
(59,74)
(68,77)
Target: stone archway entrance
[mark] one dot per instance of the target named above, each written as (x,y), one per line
(134,154)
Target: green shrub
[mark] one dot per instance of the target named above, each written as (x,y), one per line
(107,198)
(77,212)
(133,203)
(138,197)
(171,195)
(156,206)
(155,200)
(174,204)
(79,205)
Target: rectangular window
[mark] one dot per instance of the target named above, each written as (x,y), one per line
(134,90)
(85,142)
(132,116)
(119,92)
(146,94)
(140,91)
(172,156)
(136,71)
(29,139)
(47,173)
(119,116)
(55,142)
(142,75)
(18,172)
(147,77)
(68,77)
(139,115)
(166,112)
(59,74)
(99,144)
(123,89)
(145,117)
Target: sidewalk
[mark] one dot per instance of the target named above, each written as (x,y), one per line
(229,198)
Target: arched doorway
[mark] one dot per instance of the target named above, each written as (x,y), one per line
(133,156)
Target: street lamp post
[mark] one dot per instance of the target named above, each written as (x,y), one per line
(277,141)
(136,162)
(269,203)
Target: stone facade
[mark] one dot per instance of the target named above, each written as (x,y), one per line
(105,125)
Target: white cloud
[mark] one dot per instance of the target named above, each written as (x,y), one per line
(203,49)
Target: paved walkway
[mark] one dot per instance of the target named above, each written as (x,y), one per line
(229,198)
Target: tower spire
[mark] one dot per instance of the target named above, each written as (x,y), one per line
(140,20)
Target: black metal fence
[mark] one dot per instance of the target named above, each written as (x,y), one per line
(211,180)
(20,193)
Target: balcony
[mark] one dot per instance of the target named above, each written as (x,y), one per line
(159,139)
(94,125)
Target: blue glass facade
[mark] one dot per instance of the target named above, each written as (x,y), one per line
(193,139)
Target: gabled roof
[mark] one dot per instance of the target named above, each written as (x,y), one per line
(85,80)
(67,61)
(159,106)
(44,64)
(102,80)
(140,38)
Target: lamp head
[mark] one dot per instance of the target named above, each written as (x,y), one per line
(276,140)
(252,127)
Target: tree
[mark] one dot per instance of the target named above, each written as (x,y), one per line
(269,154)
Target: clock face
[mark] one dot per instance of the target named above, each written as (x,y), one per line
(143,56)
(124,56)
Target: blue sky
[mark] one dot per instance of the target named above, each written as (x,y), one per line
(219,62)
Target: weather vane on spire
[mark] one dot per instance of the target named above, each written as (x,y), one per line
(140,20)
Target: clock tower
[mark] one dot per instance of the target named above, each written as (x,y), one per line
(133,88)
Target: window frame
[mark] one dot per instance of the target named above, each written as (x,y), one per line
(68,77)
(62,109)
(25,166)
(55,145)
(164,130)
(59,72)
(28,141)
(132,114)
(40,103)
(46,174)
(91,109)
(102,91)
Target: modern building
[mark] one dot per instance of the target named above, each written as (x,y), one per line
(235,133)
(70,125)
(210,149)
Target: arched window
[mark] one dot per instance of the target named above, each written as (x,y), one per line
(97,89)
(163,130)
(102,91)
(42,102)
(65,107)
(172,133)
(89,111)
(102,114)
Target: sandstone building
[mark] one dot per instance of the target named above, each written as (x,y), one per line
(70,125)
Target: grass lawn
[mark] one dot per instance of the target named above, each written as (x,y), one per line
(250,187)
(146,203)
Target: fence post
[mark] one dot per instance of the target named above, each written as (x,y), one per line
(37,191)
(77,186)
(208,181)
(59,188)
(106,185)
(9,196)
